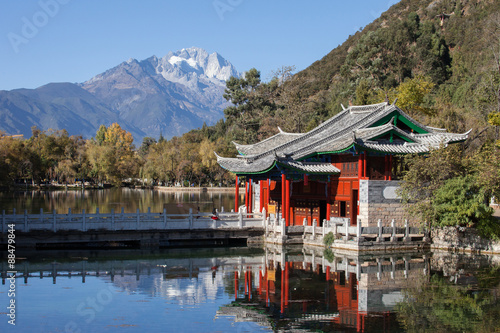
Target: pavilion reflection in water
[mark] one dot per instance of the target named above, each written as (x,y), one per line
(306,290)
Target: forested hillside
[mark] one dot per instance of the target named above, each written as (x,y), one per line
(439,58)
(453,59)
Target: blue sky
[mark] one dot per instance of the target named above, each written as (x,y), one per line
(46,41)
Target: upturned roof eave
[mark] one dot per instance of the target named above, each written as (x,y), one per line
(254,149)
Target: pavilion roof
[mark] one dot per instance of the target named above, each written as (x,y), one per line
(379,127)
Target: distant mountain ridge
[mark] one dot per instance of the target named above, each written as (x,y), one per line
(157,96)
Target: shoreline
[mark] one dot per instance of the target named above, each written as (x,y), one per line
(158,188)
(197,189)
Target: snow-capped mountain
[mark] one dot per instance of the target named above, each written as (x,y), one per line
(169,96)
(196,61)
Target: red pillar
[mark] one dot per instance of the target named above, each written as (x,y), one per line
(283,195)
(246,282)
(328,210)
(246,194)
(237,194)
(268,191)
(261,201)
(287,217)
(328,204)
(235,285)
(250,199)
(268,299)
(365,162)
(249,285)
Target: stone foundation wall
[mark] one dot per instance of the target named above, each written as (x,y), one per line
(462,240)
(378,199)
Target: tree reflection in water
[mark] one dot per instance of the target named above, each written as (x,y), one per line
(117,199)
(467,302)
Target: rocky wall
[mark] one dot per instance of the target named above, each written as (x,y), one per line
(460,239)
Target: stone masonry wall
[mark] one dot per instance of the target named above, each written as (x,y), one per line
(378,199)
(462,240)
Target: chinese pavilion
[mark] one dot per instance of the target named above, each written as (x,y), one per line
(332,170)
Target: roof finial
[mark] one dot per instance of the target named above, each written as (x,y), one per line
(386,98)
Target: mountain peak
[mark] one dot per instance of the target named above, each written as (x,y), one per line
(131,60)
(195,60)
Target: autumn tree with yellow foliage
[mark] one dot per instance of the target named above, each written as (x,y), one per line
(111,154)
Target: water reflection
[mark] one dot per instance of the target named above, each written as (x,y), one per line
(302,290)
(127,199)
(461,295)
(271,289)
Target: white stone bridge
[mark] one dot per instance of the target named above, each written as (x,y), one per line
(151,229)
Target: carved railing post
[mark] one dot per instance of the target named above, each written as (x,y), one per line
(393,225)
(379,225)
(407,232)
(346,230)
(314,224)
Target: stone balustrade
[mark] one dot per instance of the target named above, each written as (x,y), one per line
(342,232)
(129,221)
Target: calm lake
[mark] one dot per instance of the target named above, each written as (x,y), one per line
(251,290)
(245,289)
(114,198)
